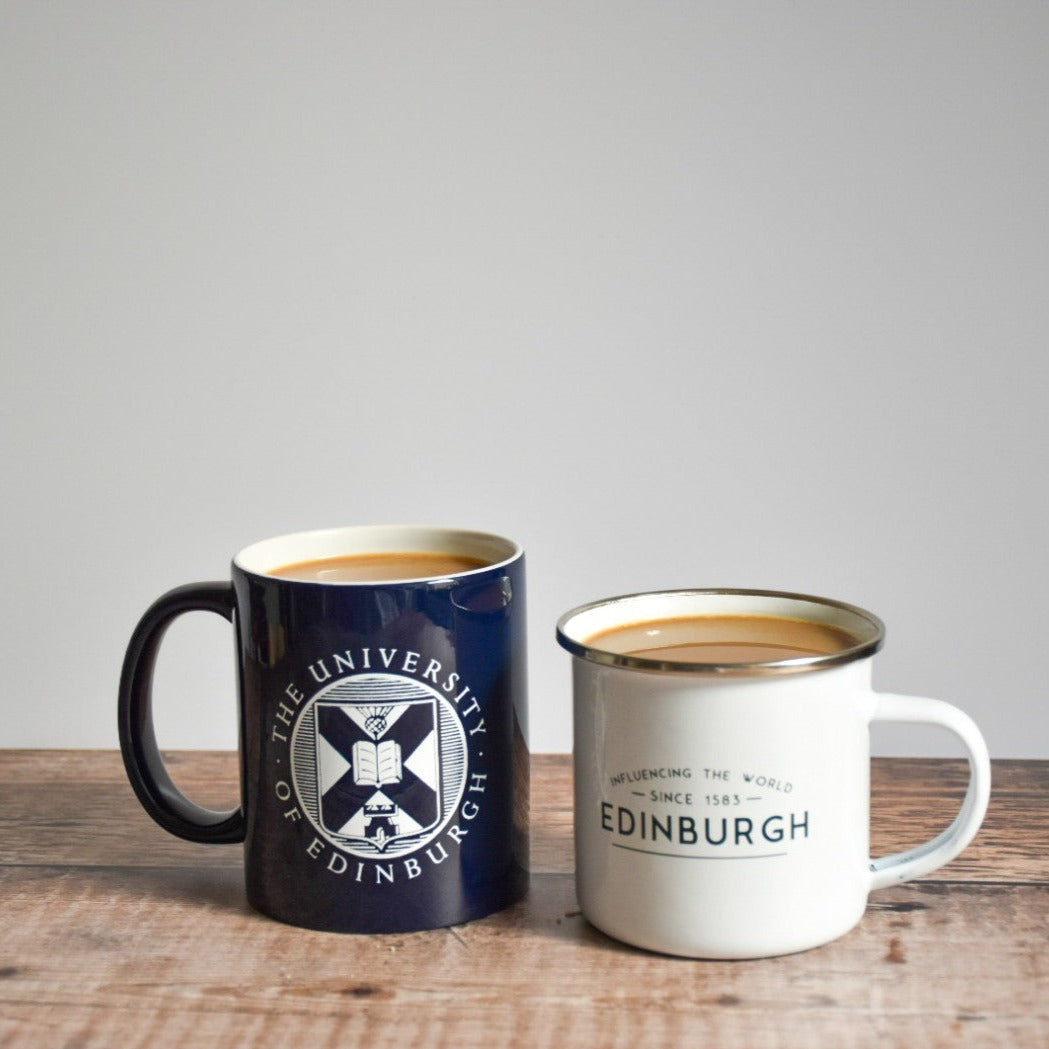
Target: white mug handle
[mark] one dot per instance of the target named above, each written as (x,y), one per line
(902,866)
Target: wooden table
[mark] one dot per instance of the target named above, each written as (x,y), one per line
(115,934)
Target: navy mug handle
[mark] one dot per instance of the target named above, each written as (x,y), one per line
(138,742)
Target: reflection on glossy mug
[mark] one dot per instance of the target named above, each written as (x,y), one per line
(722,761)
(384,769)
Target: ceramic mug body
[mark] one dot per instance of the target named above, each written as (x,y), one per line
(383,761)
(722,812)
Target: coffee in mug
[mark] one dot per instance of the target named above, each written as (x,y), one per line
(378,568)
(721,639)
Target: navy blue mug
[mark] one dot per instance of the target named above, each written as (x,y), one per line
(383,763)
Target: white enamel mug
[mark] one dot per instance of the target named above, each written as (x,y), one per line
(722,810)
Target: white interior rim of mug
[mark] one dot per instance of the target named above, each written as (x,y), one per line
(266,556)
(577,627)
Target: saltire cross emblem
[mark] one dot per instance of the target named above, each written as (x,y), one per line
(378,767)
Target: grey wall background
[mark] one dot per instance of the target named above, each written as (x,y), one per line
(677,294)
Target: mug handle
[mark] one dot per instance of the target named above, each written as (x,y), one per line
(902,866)
(138,742)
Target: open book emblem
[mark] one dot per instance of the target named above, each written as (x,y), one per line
(379,771)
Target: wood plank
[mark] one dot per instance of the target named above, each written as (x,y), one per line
(77,807)
(115,933)
(163,957)
(552,822)
(913,799)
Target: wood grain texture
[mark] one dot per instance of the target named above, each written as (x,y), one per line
(116,934)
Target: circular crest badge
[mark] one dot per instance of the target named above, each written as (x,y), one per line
(379,763)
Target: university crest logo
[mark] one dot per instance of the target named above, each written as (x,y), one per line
(379,763)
